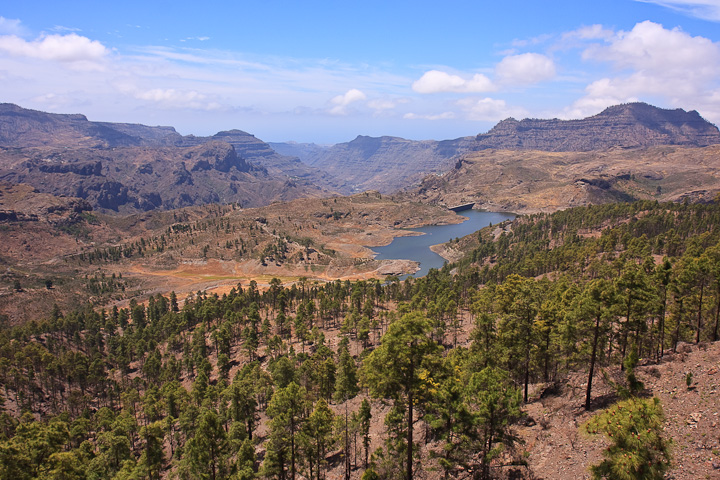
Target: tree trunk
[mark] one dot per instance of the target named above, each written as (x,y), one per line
(546,374)
(717,319)
(625,332)
(661,325)
(592,362)
(677,327)
(409,392)
(699,317)
(347,444)
(527,369)
(292,449)
(410,432)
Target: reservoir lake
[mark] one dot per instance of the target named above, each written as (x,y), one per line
(417,248)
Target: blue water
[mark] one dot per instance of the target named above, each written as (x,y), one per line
(417,248)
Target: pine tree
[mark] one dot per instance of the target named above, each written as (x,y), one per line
(449,416)
(519,303)
(245,465)
(207,449)
(591,313)
(401,368)
(346,383)
(346,387)
(494,404)
(637,449)
(288,411)
(317,437)
(365,415)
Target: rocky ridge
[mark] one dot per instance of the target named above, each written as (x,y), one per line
(632,125)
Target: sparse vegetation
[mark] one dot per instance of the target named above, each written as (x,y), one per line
(437,370)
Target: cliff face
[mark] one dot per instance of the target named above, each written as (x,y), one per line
(632,125)
(21,128)
(261,153)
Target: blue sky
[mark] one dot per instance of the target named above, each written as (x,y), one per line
(326,72)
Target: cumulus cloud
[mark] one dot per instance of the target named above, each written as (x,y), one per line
(525,68)
(705,9)
(436,81)
(657,62)
(439,116)
(341,102)
(62,48)
(489,109)
(651,47)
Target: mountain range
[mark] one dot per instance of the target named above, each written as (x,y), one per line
(125,168)
(388,164)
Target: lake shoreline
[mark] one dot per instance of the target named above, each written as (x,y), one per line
(428,246)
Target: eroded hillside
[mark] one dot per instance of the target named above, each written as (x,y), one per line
(534,181)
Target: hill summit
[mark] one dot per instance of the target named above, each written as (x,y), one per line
(630,125)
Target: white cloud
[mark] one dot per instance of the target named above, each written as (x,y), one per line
(382,104)
(649,46)
(705,9)
(61,28)
(670,65)
(9,26)
(172,98)
(199,39)
(439,116)
(341,102)
(489,109)
(521,43)
(435,81)
(62,48)
(590,32)
(525,69)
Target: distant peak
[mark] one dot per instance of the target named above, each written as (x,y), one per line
(235,131)
(628,125)
(640,107)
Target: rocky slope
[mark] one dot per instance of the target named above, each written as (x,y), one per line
(535,181)
(556,448)
(131,179)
